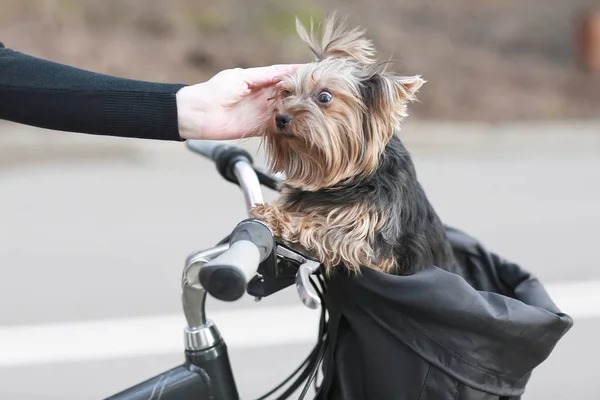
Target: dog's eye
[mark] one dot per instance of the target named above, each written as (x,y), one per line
(286,93)
(324,97)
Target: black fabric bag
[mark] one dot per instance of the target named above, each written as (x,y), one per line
(434,335)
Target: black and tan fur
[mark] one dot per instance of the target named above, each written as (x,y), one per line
(351,195)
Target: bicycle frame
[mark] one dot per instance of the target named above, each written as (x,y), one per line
(206,372)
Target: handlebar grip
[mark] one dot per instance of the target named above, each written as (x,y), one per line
(226,277)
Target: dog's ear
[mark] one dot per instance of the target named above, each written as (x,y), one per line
(385,95)
(338,41)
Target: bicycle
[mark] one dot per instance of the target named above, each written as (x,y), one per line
(249,260)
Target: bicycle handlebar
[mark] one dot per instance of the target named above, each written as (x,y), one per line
(234,164)
(205,147)
(226,277)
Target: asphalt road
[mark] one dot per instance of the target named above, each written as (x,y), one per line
(98,228)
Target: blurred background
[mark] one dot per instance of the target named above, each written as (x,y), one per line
(94,230)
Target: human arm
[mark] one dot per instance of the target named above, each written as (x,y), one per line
(51,95)
(54,96)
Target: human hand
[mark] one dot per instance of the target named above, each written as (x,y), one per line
(230,105)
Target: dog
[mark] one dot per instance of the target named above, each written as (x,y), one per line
(351,197)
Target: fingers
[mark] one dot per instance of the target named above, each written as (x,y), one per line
(265,76)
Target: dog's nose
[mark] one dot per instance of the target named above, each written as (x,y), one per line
(282,120)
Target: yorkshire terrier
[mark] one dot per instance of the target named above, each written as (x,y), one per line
(351,196)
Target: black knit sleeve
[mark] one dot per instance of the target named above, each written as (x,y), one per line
(54,96)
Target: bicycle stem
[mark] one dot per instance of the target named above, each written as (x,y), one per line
(200,333)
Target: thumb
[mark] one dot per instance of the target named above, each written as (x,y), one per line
(265,76)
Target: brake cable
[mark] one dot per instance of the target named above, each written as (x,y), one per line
(308,369)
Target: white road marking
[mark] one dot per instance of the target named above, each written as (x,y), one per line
(579,299)
(247,328)
(156,335)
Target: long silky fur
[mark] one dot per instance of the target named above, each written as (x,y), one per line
(351,197)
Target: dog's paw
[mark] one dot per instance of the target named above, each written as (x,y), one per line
(267,214)
(264,212)
(281,223)
(259,210)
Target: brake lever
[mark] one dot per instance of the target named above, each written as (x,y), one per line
(307,292)
(307,267)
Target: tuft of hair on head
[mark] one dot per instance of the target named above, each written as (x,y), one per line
(338,41)
(334,143)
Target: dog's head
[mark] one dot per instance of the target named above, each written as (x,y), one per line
(331,120)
